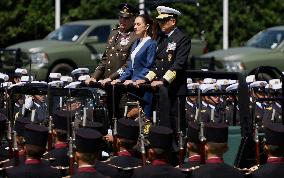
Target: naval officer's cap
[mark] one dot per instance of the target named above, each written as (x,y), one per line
(126,10)
(167,12)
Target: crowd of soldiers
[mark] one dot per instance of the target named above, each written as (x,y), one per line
(188,138)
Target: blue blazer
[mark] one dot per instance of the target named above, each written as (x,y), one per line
(143,61)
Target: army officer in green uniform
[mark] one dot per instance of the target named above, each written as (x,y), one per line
(118,47)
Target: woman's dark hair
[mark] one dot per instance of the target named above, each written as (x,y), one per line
(152,30)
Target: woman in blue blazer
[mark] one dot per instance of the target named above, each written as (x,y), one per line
(142,56)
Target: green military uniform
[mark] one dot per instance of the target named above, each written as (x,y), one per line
(116,54)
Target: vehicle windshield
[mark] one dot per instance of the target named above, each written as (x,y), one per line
(67,32)
(269,39)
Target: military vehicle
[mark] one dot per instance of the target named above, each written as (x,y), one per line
(264,49)
(73,45)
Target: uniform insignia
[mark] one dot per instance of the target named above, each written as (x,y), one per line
(124,41)
(170,57)
(170,76)
(151,75)
(171,46)
(269,108)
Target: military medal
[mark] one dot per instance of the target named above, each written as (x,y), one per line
(124,41)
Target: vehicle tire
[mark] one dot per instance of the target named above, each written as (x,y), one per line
(63,68)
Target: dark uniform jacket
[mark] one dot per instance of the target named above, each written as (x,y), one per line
(190,111)
(215,168)
(273,168)
(193,162)
(105,169)
(125,164)
(33,169)
(87,172)
(171,61)
(268,113)
(229,114)
(11,162)
(58,156)
(113,62)
(158,169)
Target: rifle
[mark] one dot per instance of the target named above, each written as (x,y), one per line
(71,157)
(114,119)
(142,144)
(10,141)
(16,150)
(49,141)
(256,139)
(154,118)
(203,142)
(180,139)
(201,132)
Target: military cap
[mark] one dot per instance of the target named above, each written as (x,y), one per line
(193,87)
(66,79)
(36,134)
(250,79)
(26,78)
(73,84)
(205,88)
(225,82)
(4,77)
(258,86)
(166,12)
(193,132)
(188,80)
(54,76)
(274,81)
(80,71)
(20,125)
(88,140)
(20,72)
(83,77)
(60,118)
(127,128)
(160,137)
(96,126)
(216,132)
(209,80)
(274,133)
(127,10)
(232,88)
(3,120)
(56,83)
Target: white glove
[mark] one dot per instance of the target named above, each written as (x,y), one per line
(29,102)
